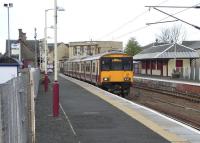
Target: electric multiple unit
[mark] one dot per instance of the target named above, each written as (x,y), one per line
(112,71)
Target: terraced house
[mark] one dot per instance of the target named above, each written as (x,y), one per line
(87,48)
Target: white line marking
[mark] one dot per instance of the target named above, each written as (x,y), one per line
(68,120)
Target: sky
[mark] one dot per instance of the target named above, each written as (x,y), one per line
(97,20)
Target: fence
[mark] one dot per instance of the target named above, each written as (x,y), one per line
(17,108)
(188,73)
(185,73)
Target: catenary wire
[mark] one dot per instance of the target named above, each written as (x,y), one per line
(130,21)
(144,27)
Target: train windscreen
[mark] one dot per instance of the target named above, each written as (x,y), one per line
(114,64)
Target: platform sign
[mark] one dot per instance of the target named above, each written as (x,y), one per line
(15,48)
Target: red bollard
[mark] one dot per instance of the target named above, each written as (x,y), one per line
(46,82)
(55,99)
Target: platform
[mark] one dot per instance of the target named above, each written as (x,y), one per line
(91,115)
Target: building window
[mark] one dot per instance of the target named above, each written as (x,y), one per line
(81,50)
(75,51)
(97,50)
(89,52)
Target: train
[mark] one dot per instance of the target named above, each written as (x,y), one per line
(111,70)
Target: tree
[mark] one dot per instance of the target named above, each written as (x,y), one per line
(132,47)
(172,34)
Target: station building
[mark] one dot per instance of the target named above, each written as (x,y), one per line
(168,60)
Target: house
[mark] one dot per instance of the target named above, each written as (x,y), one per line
(88,48)
(76,50)
(63,54)
(24,50)
(167,60)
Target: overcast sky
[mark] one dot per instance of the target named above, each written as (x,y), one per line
(83,20)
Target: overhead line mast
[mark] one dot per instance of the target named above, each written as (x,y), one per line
(130,21)
(195,26)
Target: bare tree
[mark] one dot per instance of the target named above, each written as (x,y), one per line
(173,34)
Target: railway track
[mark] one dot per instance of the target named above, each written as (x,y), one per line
(174,93)
(163,102)
(178,116)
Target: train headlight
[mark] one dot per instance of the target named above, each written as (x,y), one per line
(127,79)
(105,79)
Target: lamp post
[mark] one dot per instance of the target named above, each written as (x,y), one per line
(45,52)
(45,47)
(8,6)
(55,84)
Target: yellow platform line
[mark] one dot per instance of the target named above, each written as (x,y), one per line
(173,138)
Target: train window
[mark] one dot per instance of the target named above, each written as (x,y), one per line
(117,64)
(105,64)
(81,67)
(127,63)
(88,67)
(77,67)
(93,67)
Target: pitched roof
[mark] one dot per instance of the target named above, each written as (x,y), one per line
(4,60)
(167,51)
(27,48)
(192,44)
(153,44)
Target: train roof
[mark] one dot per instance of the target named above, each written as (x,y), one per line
(98,56)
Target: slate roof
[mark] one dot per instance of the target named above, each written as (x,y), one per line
(192,44)
(167,51)
(27,51)
(152,44)
(51,46)
(4,60)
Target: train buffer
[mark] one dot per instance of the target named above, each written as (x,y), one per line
(88,114)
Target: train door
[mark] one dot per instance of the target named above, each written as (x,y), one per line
(87,71)
(97,71)
(94,71)
(91,71)
(79,70)
(84,68)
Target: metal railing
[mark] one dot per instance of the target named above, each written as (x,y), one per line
(184,73)
(187,73)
